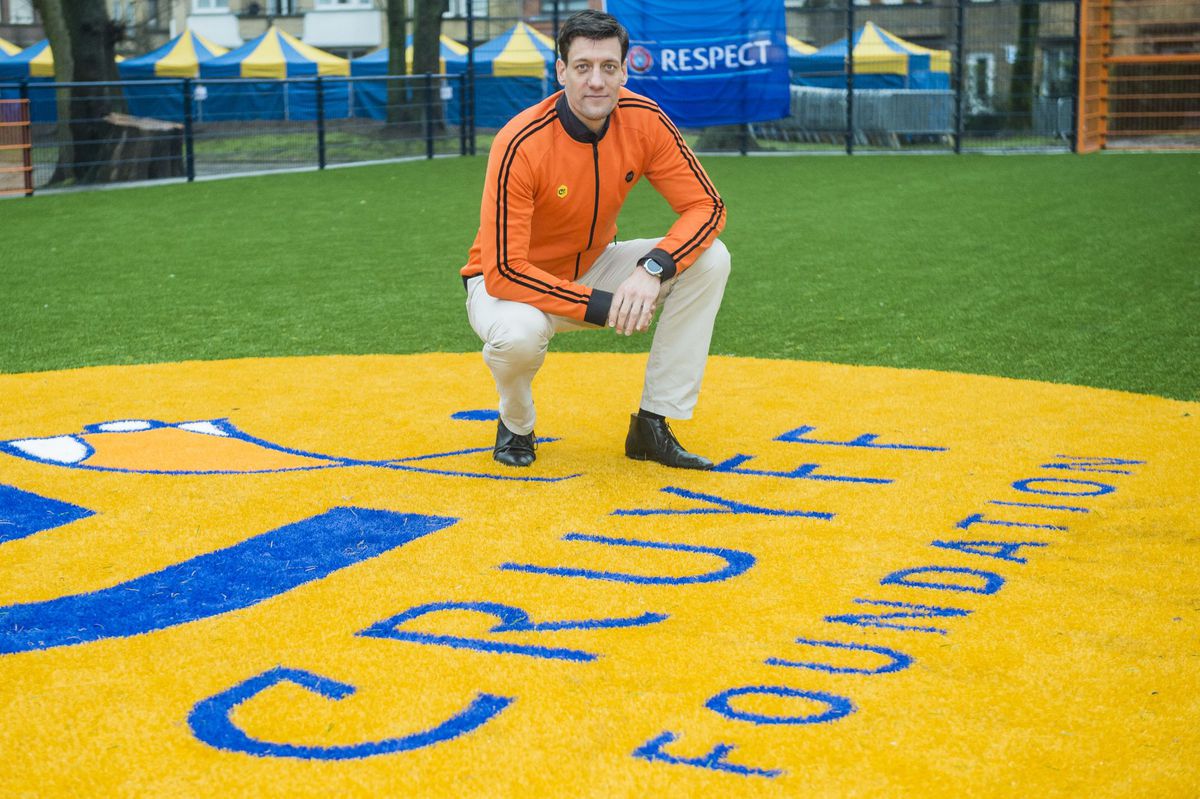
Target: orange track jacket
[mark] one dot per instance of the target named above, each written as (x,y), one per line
(553,192)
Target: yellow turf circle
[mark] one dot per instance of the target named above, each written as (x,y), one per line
(300,577)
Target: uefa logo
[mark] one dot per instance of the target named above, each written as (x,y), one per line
(640,59)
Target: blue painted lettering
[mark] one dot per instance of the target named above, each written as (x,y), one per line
(736,562)
(836,707)
(1042,505)
(991,582)
(1004,550)
(910,611)
(511,620)
(978,518)
(805,471)
(1077,463)
(869,440)
(652,750)
(210,720)
(723,506)
(1093,489)
(896,660)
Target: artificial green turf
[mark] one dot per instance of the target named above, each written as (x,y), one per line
(1061,268)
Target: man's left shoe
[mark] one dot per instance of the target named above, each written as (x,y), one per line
(513,449)
(652,440)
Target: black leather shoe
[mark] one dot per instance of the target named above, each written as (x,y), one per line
(652,440)
(512,449)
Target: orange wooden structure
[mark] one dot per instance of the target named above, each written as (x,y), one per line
(1139,75)
(16,164)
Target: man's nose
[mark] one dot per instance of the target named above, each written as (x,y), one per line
(595,77)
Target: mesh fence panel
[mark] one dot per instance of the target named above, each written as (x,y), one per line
(997,75)
(160,129)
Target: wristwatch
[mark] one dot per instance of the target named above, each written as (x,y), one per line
(653,267)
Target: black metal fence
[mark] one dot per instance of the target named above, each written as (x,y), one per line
(192,128)
(1010,84)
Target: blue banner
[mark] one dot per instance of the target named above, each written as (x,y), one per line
(708,62)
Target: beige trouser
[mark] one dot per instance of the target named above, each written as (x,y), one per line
(515,335)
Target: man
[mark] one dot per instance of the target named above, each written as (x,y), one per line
(545,259)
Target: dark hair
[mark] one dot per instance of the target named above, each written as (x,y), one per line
(594,25)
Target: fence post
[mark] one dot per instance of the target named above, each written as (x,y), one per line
(462,115)
(1077,56)
(469,119)
(959,78)
(189,150)
(320,123)
(429,115)
(23,94)
(849,77)
(556,24)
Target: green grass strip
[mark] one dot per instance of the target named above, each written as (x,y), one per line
(1060,268)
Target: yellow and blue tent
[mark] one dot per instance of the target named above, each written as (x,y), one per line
(513,71)
(451,54)
(882,60)
(795,50)
(179,58)
(35,66)
(370,96)
(8,48)
(266,66)
(796,47)
(35,61)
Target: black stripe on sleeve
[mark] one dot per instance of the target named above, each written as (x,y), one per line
(690,158)
(507,270)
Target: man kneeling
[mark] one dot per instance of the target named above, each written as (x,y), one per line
(546,258)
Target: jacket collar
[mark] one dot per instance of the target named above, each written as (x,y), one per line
(574,126)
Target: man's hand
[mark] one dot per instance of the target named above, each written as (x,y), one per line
(633,302)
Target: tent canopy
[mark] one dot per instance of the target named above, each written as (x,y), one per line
(451,55)
(179,58)
(520,52)
(275,54)
(882,60)
(35,61)
(796,47)
(8,48)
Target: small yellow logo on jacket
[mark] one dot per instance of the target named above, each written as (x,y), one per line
(562,191)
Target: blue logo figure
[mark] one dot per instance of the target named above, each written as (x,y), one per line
(212,446)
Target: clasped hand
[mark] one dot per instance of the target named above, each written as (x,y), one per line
(633,303)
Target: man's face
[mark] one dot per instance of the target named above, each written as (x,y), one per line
(592,77)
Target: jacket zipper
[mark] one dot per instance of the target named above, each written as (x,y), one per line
(595,205)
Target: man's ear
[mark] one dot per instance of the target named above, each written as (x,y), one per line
(560,71)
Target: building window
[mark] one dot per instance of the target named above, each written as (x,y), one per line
(981,79)
(20,12)
(123,11)
(1058,72)
(201,6)
(335,5)
(281,8)
(564,6)
(458,8)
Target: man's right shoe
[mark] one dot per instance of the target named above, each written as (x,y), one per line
(652,440)
(512,449)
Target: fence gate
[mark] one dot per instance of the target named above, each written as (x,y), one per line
(16,165)
(1139,74)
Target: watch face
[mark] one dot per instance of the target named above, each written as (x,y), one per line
(653,267)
